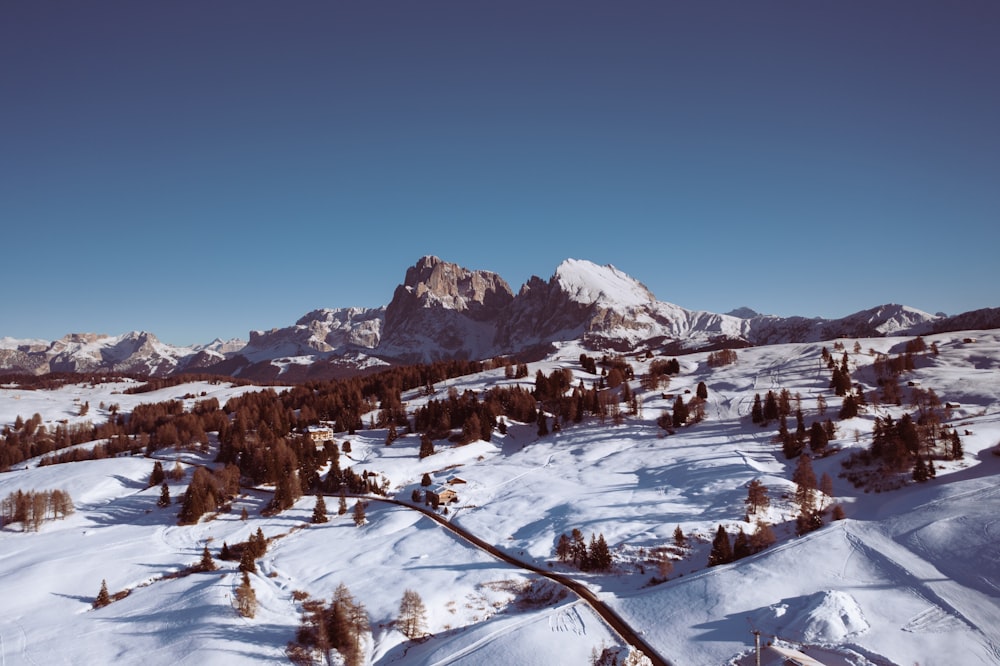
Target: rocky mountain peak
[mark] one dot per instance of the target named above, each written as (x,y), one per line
(437,282)
(444,310)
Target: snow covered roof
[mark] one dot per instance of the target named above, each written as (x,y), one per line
(777,655)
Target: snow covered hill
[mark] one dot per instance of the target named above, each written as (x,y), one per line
(909,576)
(445,311)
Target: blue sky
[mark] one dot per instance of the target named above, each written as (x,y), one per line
(201,169)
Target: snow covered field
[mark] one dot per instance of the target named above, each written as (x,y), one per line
(910,576)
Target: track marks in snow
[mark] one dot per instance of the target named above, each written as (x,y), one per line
(906,578)
(567,618)
(484,641)
(934,620)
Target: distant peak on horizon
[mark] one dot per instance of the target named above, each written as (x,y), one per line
(743,312)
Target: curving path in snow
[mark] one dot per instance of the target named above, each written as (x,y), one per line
(615,621)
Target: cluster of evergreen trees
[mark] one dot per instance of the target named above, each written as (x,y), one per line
(29,439)
(412,620)
(246,552)
(32,508)
(725,550)
(477,419)
(574,550)
(208,491)
(659,373)
(720,358)
(341,625)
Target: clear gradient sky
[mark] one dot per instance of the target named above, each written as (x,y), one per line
(200,169)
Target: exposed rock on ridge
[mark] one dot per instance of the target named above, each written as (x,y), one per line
(445,311)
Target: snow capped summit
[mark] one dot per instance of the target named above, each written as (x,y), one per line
(138,352)
(586,282)
(892,318)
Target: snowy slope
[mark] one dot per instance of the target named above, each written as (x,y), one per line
(910,575)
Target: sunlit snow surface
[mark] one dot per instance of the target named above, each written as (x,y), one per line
(912,576)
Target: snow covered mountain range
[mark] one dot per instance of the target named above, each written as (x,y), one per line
(445,311)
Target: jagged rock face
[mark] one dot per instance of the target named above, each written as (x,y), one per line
(346,327)
(444,311)
(432,283)
(319,333)
(543,312)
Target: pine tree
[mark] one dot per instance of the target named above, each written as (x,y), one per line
(679,539)
(681,412)
(757,411)
(246,598)
(164,500)
(920,470)
(579,549)
(347,623)
(849,408)
(702,391)
(805,479)
(722,550)
(247,560)
(757,497)
(342,504)
(762,537)
(243,514)
(770,407)
(543,423)
(426,447)
(790,444)
(956,446)
(103,598)
(158,475)
(564,548)
(599,554)
(319,511)
(359,513)
(826,485)
(425,480)
(817,438)
(741,545)
(412,620)
(206,563)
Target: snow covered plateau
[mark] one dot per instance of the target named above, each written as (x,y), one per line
(909,576)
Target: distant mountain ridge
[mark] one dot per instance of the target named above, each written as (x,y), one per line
(443,311)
